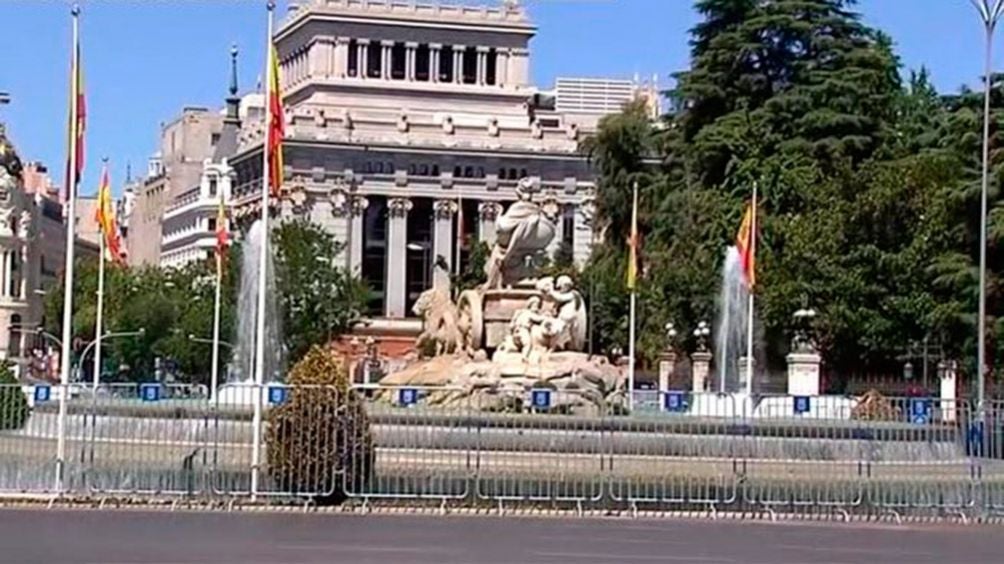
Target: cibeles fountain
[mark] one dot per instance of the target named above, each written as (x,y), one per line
(516,332)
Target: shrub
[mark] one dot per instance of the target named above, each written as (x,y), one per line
(13,404)
(319,439)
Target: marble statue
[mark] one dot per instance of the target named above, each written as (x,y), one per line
(569,309)
(439,321)
(522,234)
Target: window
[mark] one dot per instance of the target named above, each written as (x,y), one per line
(457,172)
(353,66)
(468,172)
(469,61)
(435,170)
(491,67)
(397,60)
(424,170)
(422,63)
(211,224)
(212,186)
(214,139)
(446,64)
(373,59)
(14,336)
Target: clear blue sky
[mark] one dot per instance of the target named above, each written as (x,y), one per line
(144,60)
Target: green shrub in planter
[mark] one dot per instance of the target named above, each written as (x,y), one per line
(319,441)
(13,403)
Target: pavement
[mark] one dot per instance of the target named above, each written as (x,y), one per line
(137,536)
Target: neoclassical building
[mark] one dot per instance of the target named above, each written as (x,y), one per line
(408,126)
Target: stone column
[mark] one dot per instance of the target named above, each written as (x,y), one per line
(442,241)
(385,58)
(947,372)
(362,54)
(458,64)
(341,56)
(434,49)
(559,233)
(700,368)
(482,65)
(487,212)
(803,373)
(356,209)
(667,365)
(519,69)
(502,67)
(582,239)
(397,241)
(410,49)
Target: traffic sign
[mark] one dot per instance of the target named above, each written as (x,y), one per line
(801,404)
(42,393)
(407,396)
(149,392)
(277,394)
(920,410)
(674,401)
(540,399)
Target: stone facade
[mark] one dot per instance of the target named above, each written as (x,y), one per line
(185,144)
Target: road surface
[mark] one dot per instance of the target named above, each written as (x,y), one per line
(133,536)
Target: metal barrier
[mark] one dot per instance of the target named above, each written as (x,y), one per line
(328,443)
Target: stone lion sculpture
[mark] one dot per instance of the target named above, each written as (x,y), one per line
(439,321)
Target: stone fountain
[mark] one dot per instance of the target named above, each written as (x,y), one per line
(516,332)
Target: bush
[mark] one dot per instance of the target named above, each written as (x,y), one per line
(319,439)
(13,404)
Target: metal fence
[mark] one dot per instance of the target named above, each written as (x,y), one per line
(495,447)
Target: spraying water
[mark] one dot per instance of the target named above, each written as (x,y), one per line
(247,311)
(730,328)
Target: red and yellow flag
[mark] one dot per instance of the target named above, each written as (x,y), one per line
(746,245)
(104,215)
(275,124)
(75,124)
(222,231)
(633,244)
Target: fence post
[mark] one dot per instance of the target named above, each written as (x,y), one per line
(256,441)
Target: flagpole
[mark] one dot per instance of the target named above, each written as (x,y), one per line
(749,287)
(215,378)
(259,356)
(64,371)
(634,299)
(98,318)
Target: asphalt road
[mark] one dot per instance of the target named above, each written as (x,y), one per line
(129,536)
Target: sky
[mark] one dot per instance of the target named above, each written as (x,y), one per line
(145,60)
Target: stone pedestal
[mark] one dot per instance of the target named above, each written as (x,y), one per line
(667,364)
(803,374)
(700,368)
(947,371)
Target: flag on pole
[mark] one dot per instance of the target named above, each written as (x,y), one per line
(75,122)
(222,231)
(633,244)
(104,215)
(275,124)
(746,245)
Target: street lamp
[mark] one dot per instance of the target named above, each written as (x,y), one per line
(195,339)
(990,13)
(83,355)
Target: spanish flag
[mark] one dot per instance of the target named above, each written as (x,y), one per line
(104,215)
(275,124)
(746,245)
(75,124)
(222,231)
(633,243)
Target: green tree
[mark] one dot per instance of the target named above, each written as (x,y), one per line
(319,299)
(13,404)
